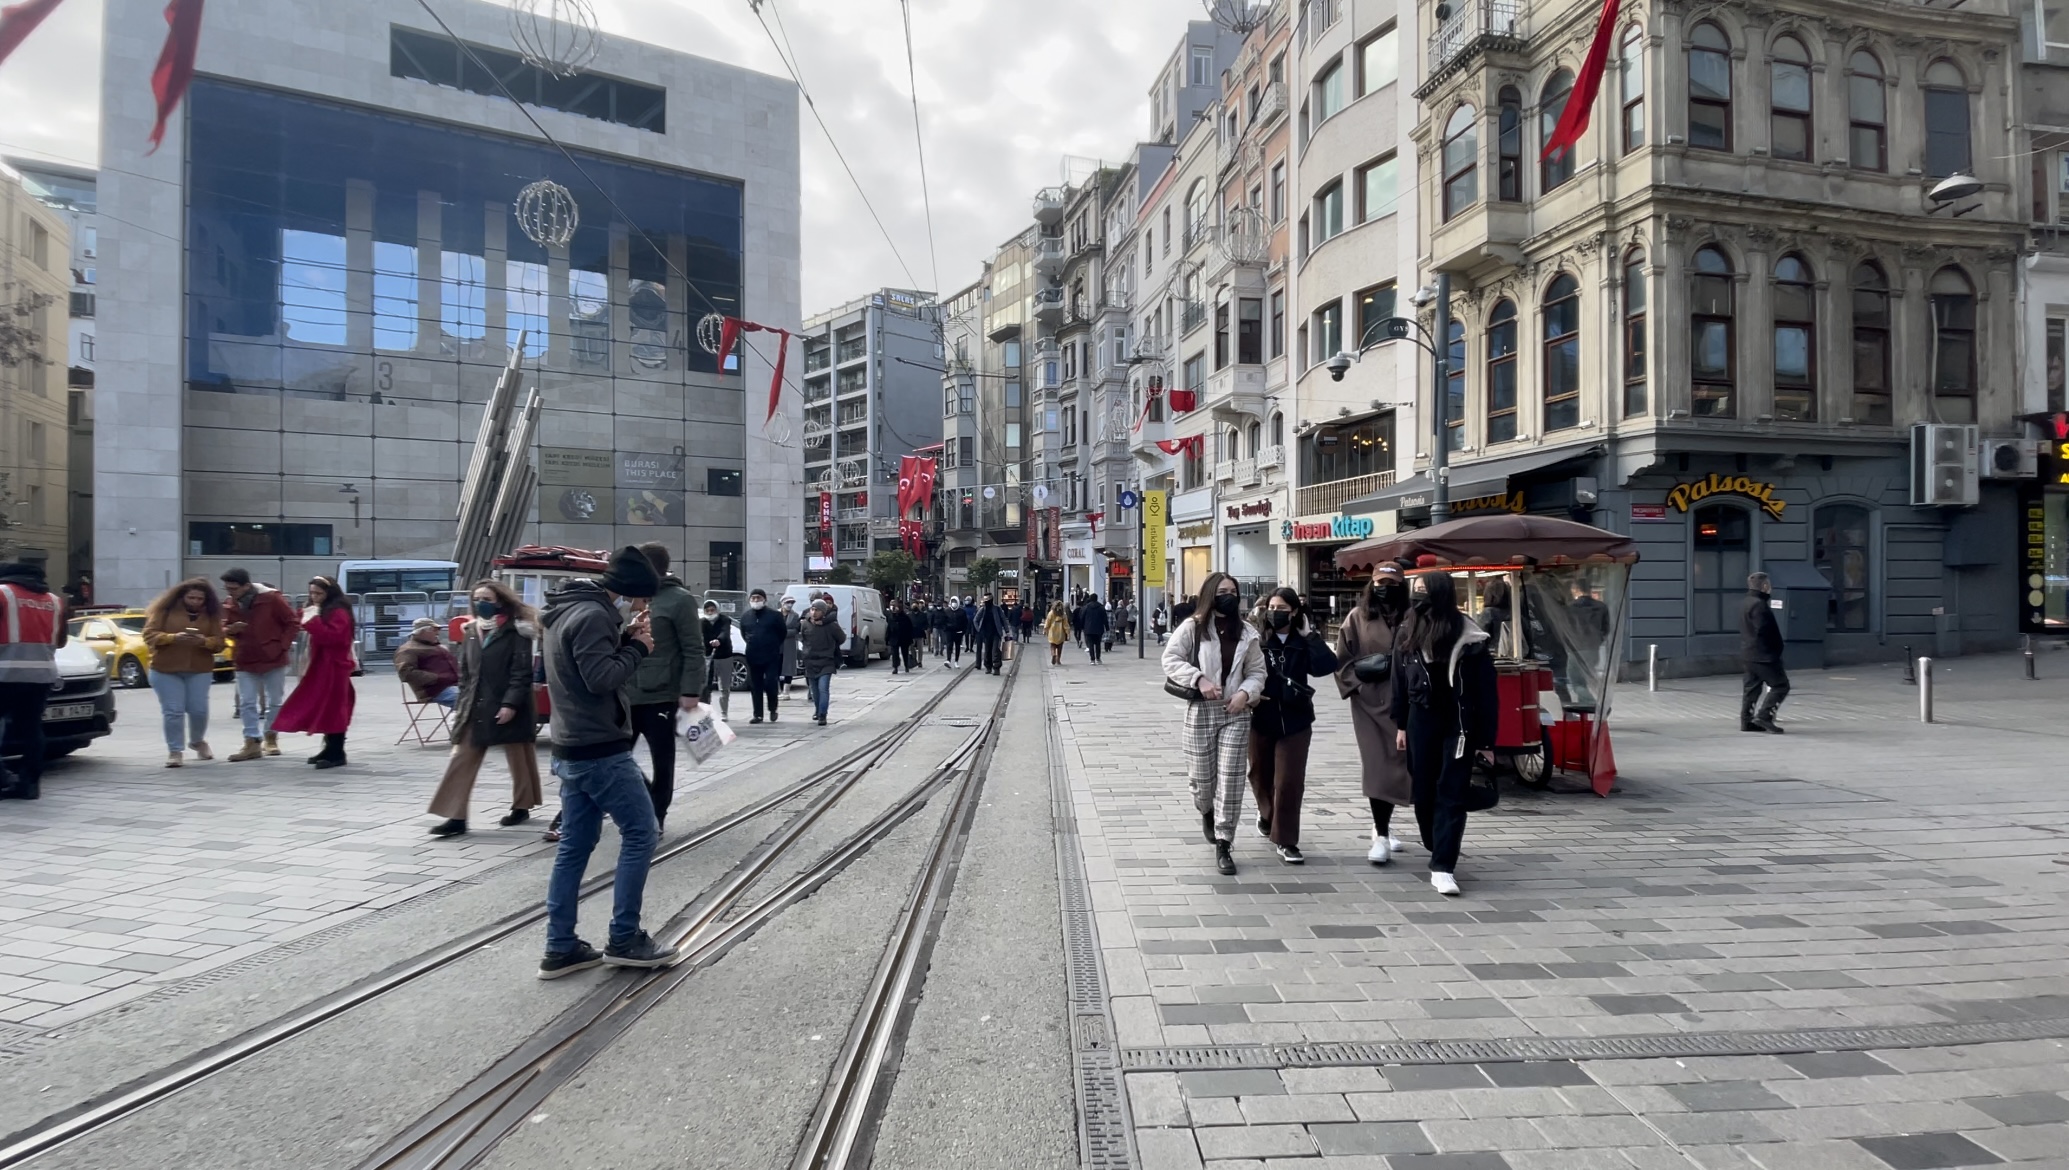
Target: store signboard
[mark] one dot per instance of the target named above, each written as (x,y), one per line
(1248,511)
(1077,552)
(1648,513)
(1682,495)
(1155,511)
(2033,583)
(576,467)
(1201,533)
(1316,529)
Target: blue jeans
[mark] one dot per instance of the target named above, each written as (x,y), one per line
(589,791)
(183,700)
(821,688)
(252,687)
(447,697)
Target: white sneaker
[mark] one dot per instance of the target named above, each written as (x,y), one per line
(1381,851)
(1396,844)
(1445,884)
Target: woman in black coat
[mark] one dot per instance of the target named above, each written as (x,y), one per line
(899,636)
(1444,703)
(495,707)
(1284,723)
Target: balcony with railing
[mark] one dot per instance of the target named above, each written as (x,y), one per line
(1473,27)
(1194,316)
(1048,306)
(1048,205)
(1271,458)
(852,351)
(1246,473)
(1196,233)
(1225,471)
(1271,105)
(1048,254)
(1316,499)
(855,414)
(851,382)
(1143,440)
(817,359)
(818,389)
(1235,394)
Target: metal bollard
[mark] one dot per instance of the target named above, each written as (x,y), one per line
(1925,690)
(1652,666)
(1910,672)
(2031,674)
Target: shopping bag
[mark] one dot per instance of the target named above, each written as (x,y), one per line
(739,641)
(1009,649)
(702,734)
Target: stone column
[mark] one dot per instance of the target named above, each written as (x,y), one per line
(430,274)
(495,282)
(1753,326)
(359,266)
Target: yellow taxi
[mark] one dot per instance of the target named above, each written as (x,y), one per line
(120,636)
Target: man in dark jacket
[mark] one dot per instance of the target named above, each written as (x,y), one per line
(591,654)
(718,643)
(1760,648)
(765,632)
(953,627)
(262,626)
(823,641)
(1092,618)
(987,633)
(670,679)
(899,636)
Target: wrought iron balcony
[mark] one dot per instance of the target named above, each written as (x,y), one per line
(1473,27)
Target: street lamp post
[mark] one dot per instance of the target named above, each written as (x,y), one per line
(1404,329)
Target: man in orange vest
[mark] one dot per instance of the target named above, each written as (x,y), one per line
(32,627)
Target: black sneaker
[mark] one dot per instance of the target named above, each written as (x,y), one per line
(516,816)
(640,951)
(583,957)
(1769,726)
(452,828)
(1291,855)
(1222,861)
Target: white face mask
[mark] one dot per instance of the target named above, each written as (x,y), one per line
(710,615)
(757,604)
(624,605)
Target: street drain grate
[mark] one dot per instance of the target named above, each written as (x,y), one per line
(1523,1048)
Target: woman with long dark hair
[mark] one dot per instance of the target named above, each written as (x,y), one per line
(495,708)
(1217,655)
(184,629)
(1284,723)
(323,699)
(1445,708)
(1366,647)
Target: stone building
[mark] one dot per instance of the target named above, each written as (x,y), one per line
(35,248)
(1749,273)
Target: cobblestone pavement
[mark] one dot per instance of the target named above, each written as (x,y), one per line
(128,876)
(1843,947)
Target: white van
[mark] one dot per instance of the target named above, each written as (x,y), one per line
(862,612)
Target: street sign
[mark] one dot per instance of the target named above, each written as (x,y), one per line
(1128,498)
(1154,514)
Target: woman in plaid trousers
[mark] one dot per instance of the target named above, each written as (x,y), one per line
(1218,652)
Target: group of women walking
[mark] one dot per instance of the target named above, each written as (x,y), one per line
(1420,681)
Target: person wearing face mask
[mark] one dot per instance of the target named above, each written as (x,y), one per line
(718,644)
(823,639)
(793,627)
(1445,709)
(1284,723)
(494,708)
(898,637)
(1365,652)
(764,631)
(988,633)
(1093,622)
(1219,655)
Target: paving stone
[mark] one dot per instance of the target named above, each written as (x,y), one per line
(2026,1142)
(1545,1073)
(1269,1109)
(2024,1108)
(1639,1005)
(1409,1077)
(1333,1080)
(1230,1083)
(1464,1009)
(1167,1149)
(1486,1133)
(1406,1105)
(1372,1138)
(1473,1161)
(1820,1065)
(1574,1133)
(1202,1013)
(1928,1151)
(1253,1141)
(1154,1100)
(1712,1128)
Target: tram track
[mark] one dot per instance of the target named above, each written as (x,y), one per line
(702,914)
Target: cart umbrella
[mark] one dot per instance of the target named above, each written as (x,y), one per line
(1501,539)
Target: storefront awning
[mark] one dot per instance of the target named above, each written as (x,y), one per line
(1471,482)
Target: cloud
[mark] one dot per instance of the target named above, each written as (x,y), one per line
(1007,89)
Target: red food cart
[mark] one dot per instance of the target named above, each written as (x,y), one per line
(1552,592)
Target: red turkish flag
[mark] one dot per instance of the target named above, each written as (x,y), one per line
(905,483)
(175,61)
(923,482)
(729,332)
(1573,121)
(1184,401)
(17,21)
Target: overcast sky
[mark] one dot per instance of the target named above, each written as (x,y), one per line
(1007,88)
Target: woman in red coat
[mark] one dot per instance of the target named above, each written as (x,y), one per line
(322,702)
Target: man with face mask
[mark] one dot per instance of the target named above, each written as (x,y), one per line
(718,646)
(1366,648)
(764,631)
(987,633)
(669,679)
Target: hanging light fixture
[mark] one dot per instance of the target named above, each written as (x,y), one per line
(547,214)
(559,37)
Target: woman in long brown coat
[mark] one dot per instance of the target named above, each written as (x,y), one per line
(495,708)
(1371,629)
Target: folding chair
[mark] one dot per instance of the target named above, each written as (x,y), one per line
(420,711)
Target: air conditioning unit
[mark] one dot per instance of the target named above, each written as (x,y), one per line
(2009,458)
(1943,465)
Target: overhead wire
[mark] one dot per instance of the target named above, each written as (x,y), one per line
(919,141)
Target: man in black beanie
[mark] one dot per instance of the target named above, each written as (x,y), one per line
(596,634)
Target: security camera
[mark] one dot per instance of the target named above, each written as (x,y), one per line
(1340,365)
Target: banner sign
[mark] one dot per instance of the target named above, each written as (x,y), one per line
(1155,511)
(826,525)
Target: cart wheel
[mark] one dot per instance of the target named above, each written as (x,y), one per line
(1531,770)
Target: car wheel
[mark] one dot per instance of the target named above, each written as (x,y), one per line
(130,672)
(740,680)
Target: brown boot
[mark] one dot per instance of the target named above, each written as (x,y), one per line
(272,744)
(250,751)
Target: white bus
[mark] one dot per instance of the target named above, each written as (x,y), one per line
(362,577)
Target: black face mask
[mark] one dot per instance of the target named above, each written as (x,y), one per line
(1226,605)
(1389,595)
(1278,618)
(1421,602)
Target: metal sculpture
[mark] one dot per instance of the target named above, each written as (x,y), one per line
(547,214)
(559,37)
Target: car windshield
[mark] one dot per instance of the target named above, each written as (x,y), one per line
(134,625)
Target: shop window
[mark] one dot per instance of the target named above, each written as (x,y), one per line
(1508,148)
(1562,354)
(1331,453)
(1635,397)
(210,539)
(1551,105)
(1461,162)
(725,558)
(1375,309)
(1953,303)
(1946,121)
(1788,79)
(1711,364)
(1501,373)
(1867,114)
(1795,341)
(1709,88)
(1840,551)
(1632,78)
(2057,359)
(1455,384)
(1721,557)
(1871,384)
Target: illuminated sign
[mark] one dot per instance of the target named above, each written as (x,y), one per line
(2033,562)
(1260,509)
(1684,494)
(1334,528)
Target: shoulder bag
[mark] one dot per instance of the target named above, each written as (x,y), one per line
(1177,690)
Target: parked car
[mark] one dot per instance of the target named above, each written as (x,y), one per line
(120,636)
(81,707)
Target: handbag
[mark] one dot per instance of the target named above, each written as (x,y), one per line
(1373,668)
(1483,789)
(1178,690)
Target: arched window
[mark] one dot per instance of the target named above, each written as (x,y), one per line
(1551,104)
(1946,120)
(1709,88)
(1710,320)
(1455,385)
(1508,148)
(1720,559)
(1256,439)
(1195,212)
(1562,353)
(1278,429)
(1839,549)
(1867,114)
(1788,75)
(1635,397)
(1501,373)
(1795,341)
(1871,378)
(1461,161)
(1631,58)
(1953,303)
